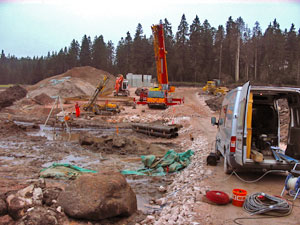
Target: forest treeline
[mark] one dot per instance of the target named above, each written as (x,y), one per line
(196,53)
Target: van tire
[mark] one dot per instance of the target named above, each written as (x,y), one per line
(227,168)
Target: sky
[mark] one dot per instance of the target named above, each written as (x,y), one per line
(34,27)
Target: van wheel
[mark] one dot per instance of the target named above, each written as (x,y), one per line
(227,168)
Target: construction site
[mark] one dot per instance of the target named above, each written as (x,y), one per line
(86,147)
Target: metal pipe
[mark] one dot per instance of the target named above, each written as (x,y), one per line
(156,128)
(156,134)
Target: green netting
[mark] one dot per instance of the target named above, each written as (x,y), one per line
(63,171)
(171,162)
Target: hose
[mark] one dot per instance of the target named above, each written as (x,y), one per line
(263,204)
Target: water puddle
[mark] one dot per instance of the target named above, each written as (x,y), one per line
(82,161)
(60,134)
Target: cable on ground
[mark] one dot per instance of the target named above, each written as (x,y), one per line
(263,204)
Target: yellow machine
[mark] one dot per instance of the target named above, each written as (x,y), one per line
(212,87)
(97,109)
(158,97)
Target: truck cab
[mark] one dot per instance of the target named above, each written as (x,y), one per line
(249,126)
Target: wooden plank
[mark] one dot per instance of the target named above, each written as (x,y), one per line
(257,156)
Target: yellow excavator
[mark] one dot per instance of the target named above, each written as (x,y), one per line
(97,109)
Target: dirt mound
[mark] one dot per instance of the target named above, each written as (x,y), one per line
(77,81)
(120,145)
(43,99)
(9,128)
(12,94)
(215,103)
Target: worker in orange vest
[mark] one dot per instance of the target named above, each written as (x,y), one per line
(77,109)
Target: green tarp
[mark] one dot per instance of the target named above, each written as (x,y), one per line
(171,162)
(63,171)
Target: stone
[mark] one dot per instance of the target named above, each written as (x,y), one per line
(24,199)
(86,140)
(6,220)
(42,215)
(3,207)
(50,195)
(119,142)
(98,196)
(162,189)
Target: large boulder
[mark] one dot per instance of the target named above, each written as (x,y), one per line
(98,196)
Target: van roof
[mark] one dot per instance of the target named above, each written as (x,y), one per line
(275,89)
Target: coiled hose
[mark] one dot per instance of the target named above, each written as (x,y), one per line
(262,203)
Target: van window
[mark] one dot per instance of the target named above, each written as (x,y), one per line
(222,119)
(229,116)
(241,114)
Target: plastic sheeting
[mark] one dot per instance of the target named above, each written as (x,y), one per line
(170,163)
(63,171)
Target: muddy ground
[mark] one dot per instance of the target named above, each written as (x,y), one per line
(25,149)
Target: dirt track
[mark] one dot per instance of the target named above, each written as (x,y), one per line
(23,155)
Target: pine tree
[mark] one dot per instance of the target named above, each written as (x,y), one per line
(99,53)
(169,45)
(181,50)
(138,51)
(73,54)
(85,52)
(256,40)
(195,48)
(220,35)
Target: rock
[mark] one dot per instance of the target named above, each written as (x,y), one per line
(162,189)
(98,196)
(119,142)
(6,220)
(50,195)
(86,140)
(42,215)
(3,207)
(25,198)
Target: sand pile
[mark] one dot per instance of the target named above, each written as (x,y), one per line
(78,81)
(12,94)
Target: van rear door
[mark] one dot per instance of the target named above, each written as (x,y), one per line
(241,132)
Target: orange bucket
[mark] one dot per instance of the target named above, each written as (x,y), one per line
(239,196)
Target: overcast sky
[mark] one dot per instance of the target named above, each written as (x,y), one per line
(34,27)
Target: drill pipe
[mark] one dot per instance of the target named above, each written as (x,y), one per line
(156,128)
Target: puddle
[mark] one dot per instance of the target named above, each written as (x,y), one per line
(145,191)
(6,158)
(82,161)
(60,134)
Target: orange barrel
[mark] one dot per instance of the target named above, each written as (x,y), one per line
(239,196)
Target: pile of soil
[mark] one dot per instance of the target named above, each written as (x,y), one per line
(78,81)
(115,144)
(12,94)
(215,103)
(9,128)
(43,99)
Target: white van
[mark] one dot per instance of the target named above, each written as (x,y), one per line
(249,122)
